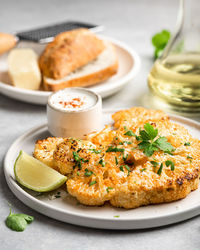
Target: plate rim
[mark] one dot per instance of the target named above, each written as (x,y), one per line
(112,223)
(130,75)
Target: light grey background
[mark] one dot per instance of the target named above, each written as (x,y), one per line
(134,22)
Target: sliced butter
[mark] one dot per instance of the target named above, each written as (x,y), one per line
(23,69)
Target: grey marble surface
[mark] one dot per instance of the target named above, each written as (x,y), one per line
(134,22)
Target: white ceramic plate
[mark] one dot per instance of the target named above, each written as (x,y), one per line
(129,65)
(66,208)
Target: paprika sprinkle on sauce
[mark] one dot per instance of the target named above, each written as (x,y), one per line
(72,100)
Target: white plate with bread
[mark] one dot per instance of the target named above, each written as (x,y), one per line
(101,64)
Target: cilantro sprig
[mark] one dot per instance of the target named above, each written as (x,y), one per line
(148,142)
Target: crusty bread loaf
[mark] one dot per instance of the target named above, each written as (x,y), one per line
(69,51)
(102,68)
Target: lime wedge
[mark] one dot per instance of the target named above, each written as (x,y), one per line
(35,175)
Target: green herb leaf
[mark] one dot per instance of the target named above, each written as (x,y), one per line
(116,160)
(125,157)
(163,145)
(187,144)
(88,173)
(160,169)
(76,156)
(130,133)
(116,216)
(108,189)
(115,149)
(127,142)
(142,170)
(151,131)
(102,163)
(121,168)
(154,163)
(92,183)
(159,41)
(189,157)
(18,222)
(170,163)
(95,151)
(148,148)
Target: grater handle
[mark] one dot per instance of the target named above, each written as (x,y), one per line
(7,42)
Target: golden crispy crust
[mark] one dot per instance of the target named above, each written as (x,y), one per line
(93,183)
(83,81)
(69,51)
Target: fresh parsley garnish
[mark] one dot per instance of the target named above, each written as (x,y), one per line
(189,157)
(102,163)
(115,149)
(121,168)
(159,41)
(95,151)
(18,222)
(160,169)
(88,173)
(125,157)
(78,159)
(92,183)
(130,133)
(108,189)
(127,142)
(78,173)
(127,168)
(170,163)
(154,163)
(148,142)
(143,169)
(187,144)
(116,160)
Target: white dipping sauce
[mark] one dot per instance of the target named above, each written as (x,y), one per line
(73,99)
(74,112)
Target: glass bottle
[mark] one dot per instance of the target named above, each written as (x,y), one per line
(175,76)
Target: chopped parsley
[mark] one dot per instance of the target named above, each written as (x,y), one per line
(78,159)
(130,133)
(148,142)
(121,168)
(115,149)
(142,170)
(102,163)
(78,173)
(128,168)
(88,173)
(154,163)
(187,144)
(127,142)
(189,157)
(125,157)
(116,160)
(108,189)
(95,151)
(160,169)
(92,183)
(170,163)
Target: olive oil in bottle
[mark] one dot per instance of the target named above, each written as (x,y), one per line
(176,79)
(175,76)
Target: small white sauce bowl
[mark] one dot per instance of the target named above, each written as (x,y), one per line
(74,122)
